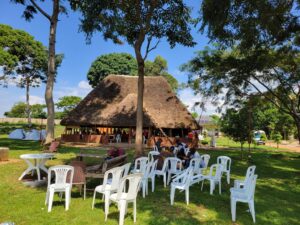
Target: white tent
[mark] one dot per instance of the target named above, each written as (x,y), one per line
(33,135)
(43,134)
(17,134)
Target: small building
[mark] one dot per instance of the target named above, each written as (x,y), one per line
(110,110)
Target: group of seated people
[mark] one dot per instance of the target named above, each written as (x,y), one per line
(179,150)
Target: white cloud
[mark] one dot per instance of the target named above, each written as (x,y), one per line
(189,99)
(33,99)
(84,85)
(81,90)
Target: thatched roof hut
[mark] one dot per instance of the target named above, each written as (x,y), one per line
(113,104)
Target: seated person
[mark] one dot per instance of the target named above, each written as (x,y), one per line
(191,155)
(112,153)
(158,144)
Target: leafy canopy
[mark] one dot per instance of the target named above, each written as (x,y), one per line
(21,56)
(125,64)
(67,103)
(18,110)
(114,63)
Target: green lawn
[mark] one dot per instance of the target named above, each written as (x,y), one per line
(277,198)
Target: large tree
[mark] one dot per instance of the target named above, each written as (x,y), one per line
(67,103)
(137,22)
(258,51)
(19,110)
(31,8)
(113,63)
(29,58)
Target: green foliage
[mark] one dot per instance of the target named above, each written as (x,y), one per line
(132,20)
(67,103)
(114,63)
(204,142)
(234,125)
(195,115)
(277,138)
(257,52)
(125,64)
(19,111)
(21,56)
(263,137)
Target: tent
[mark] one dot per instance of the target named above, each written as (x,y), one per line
(16,134)
(33,135)
(43,134)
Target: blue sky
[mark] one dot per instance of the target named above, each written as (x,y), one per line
(71,78)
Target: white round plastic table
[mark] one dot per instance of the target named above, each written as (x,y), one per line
(35,162)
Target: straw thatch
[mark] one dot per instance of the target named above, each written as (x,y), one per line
(113,104)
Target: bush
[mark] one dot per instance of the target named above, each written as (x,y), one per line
(204,142)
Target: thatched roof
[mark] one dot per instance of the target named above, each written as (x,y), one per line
(113,104)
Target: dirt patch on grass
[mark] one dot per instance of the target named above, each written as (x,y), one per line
(10,161)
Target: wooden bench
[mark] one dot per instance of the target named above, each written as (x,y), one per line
(99,171)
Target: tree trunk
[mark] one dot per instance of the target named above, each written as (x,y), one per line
(51,74)
(298,129)
(28,111)
(139,112)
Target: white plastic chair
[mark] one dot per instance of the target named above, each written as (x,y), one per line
(245,195)
(126,168)
(225,163)
(214,178)
(60,185)
(109,185)
(123,197)
(204,160)
(118,138)
(195,165)
(181,182)
(250,172)
(151,155)
(155,148)
(151,175)
(174,167)
(163,172)
(140,165)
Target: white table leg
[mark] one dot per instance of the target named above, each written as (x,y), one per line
(30,168)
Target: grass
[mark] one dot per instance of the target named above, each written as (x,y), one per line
(277,197)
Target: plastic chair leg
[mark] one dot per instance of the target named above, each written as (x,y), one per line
(233,209)
(187,196)
(93,204)
(252,210)
(122,212)
(134,211)
(50,200)
(172,195)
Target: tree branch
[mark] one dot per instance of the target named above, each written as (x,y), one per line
(148,49)
(40,10)
(272,92)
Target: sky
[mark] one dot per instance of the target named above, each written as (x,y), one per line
(79,55)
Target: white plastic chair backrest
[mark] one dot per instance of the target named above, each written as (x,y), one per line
(153,168)
(250,187)
(116,174)
(125,168)
(151,155)
(155,148)
(218,171)
(195,164)
(205,159)
(165,165)
(61,173)
(184,178)
(140,164)
(134,181)
(250,172)
(173,163)
(118,137)
(225,161)
(175,151)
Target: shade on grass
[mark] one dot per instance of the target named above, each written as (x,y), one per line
(277,198)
